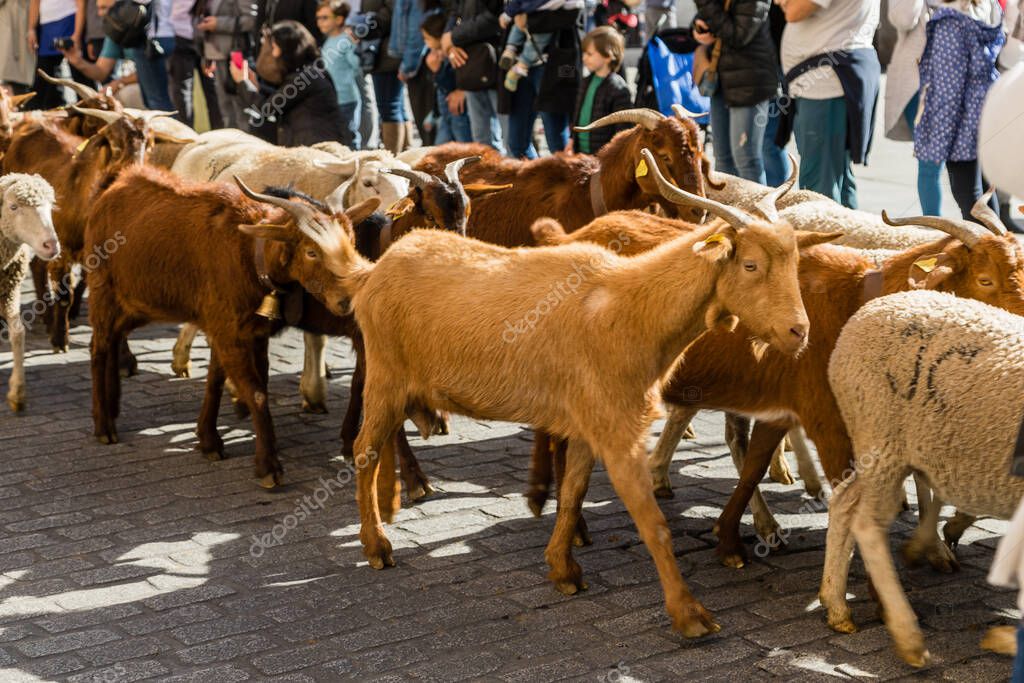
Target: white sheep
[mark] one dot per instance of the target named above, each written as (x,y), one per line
(926,383)
(26,226)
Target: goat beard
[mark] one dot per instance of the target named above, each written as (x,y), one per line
(758,347)
(718,318)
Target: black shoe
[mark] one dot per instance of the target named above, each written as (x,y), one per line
(508,58)
(1006,216)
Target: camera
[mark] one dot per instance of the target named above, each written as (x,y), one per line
(63,43)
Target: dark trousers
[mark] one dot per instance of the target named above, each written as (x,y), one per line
(182,67)
(421,100)
(967,185)
(48,95)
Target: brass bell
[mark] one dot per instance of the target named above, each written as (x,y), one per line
(270,307)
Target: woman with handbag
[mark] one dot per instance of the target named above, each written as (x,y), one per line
(741,78)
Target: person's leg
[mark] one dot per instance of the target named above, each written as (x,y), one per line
(966,184)
(776,163)
(421,100)
(481,105)
(746,139)
(350,125)
(367,115)
(390,93)
(48,95)
(152,74)
(820,131)
(929,187)
(521,120)
(226,101)
(1018,660)
(724,162)
(513,46)
(556,130)
(179,70)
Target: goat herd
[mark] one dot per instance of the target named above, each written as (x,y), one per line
(578,295)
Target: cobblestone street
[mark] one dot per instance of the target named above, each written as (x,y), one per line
(144,560)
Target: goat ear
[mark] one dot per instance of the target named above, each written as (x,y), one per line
(805,239)
(547,231)
(270,231)
(19,100)
(361,211)
(400,208)
(474,190)
(718,246)
(928,272)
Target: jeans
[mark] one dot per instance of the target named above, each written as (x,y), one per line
(967,185)
(451,127)
(523,116)
(825,165)
(184,62)
(48,95)
(350,125)
(156,92)
(390,94)
(531,52)
(1018,661)
(739,138)
(482,107)
(776,162)
(929,188)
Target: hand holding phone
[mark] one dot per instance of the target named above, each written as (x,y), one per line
(236,59)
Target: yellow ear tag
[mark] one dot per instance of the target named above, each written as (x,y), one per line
(641,169)
(82,145)
(927,264)
(400,208)
(713,239)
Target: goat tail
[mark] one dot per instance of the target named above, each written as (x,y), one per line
(547,232)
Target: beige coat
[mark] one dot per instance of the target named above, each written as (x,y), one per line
(17,64)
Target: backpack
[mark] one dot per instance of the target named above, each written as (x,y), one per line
(367,28)
(127,23)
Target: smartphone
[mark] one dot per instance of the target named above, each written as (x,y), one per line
(236,59)
(63,43)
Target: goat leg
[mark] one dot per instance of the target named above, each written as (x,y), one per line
(76,300)
(389,500)
(211,444)
(126,359)
(541,465)
(181,354)
(754,463)
(565,572)
(559,448)
(44,294)
(16,332)
(956,526)
(924,545)
(60,274)
(417,486)
(778,470)
(378,427)
(354,412)
(805,462)
(676,424)
(313,385)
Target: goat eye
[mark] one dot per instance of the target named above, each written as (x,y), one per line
(984,282)
(749,266)
(311,253)
(367,183)
(13,207)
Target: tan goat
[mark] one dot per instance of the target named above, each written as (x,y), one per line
(574,340)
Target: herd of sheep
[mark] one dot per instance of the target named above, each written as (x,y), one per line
(577,294)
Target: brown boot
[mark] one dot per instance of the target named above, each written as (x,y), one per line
(392,135)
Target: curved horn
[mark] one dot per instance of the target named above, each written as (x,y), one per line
(298,211)
(648,118)
(149,115)
(984,213)
(451,171)
(83,91)
(683,113)
(965,231)
(679,196)
(768,204)
(106,116)
(417,178)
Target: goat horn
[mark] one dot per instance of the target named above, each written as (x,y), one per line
(417,178)
(149,115)
(679,196)
(768,204)
(984,213)
(106,116)
(965,231)
(83,91)
(300,212)
(683,113)
(451,171)
(648,118)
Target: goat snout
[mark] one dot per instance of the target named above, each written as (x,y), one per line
(799,331)
(48,250)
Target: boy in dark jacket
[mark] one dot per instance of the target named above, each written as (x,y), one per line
(602,92)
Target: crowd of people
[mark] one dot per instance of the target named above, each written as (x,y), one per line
(363,72)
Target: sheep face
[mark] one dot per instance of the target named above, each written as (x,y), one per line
(370,180)
(26,214)
(676,147)
(758,284)
(992,271)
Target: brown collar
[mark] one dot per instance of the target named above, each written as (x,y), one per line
(597,195)
(873,283)
(259,257)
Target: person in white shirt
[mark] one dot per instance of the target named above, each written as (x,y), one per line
(49,22)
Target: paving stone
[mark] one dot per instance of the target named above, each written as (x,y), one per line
(53,645)
(124,671)
(225,649)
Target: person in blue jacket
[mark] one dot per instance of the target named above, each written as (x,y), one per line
(406,44)
(957,68)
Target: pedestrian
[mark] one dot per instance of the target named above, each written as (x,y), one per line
(305,105)
(269,12)
(659,14)
(406,43)
(17,61)
(224,27)
(747,81)
(53,25)
(452,120)
(182,66)
(342,64)
(525,50)
(832,77)
(603,92)
(388,89)
(963,38)
(151,59)
(776,160)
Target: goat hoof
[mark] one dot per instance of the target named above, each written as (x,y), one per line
(214,455)
(842,624)
(1001,639)
(663,491)
(107,439)
(689,433)
(915,655)
(272,480)
(571,587)
(16,404)
(380,558)
(813,490)
(314,408)
(536,497)
(60,349)
(181,370)
(695,621)
(781,474)
(327,372)
(938,555)
(419,492)
(441,427)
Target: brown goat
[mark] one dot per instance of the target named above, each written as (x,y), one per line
(79,169)
(722,373)
(183,257)
(575,188)
(619,333)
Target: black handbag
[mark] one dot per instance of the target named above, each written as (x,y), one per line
(127,23)
(480,72)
